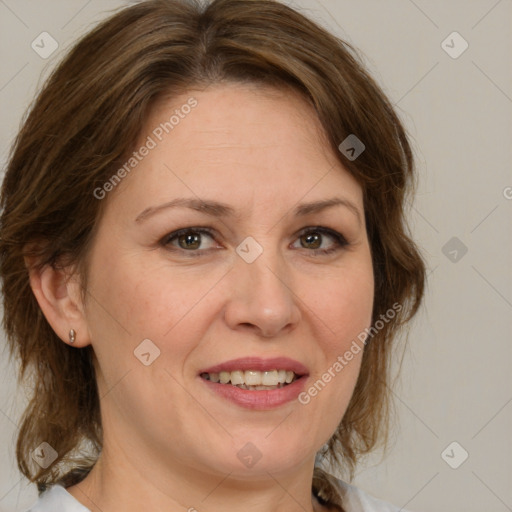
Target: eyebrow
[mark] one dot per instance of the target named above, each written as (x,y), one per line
(216,209)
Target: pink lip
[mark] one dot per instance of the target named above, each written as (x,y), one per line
(258,399)
(259,364)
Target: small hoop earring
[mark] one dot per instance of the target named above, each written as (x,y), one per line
(72,336)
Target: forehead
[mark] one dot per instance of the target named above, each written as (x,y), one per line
(238,142)
(240,116)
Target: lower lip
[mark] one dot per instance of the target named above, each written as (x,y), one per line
(258,399)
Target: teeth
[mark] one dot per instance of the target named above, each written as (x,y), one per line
(259,388)
(253,379)
(237,377)
(269,378)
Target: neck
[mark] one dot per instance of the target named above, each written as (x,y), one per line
(130,483)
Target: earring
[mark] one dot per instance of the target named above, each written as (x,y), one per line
(72,336)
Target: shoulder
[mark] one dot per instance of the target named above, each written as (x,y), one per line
(357,500)
(57,499)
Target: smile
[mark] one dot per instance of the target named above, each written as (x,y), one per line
(253,379)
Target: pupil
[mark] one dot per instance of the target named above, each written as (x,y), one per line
(313,239)
(190,241)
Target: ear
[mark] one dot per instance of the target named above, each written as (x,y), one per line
(57,291)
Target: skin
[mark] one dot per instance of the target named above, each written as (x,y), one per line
(169,442)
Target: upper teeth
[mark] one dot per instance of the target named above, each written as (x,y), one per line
(253,377)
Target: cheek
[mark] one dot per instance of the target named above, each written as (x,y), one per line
(138,299)
(131,303)
(344,309)
(134,300)
(345,305)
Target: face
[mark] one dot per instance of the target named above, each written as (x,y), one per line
(237,249)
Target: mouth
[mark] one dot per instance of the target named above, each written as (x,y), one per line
(253,380)
(256,383)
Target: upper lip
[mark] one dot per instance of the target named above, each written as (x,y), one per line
(259,364)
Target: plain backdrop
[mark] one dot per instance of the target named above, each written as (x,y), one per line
(452,447)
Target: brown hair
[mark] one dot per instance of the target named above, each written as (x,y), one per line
(89,115)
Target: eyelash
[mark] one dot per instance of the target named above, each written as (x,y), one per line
(339,239)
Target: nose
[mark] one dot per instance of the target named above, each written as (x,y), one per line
(261,297)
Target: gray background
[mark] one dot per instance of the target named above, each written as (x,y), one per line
(455,384)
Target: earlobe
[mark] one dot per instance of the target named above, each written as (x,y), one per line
(58,296)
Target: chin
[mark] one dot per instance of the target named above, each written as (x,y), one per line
(260,453)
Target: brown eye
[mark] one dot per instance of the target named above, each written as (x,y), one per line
(189,239)
(313,238)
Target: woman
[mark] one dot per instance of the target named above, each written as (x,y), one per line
(204,261)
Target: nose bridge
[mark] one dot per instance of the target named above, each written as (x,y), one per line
(266,273)
(262,294)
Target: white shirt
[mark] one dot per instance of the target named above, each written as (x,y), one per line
(57,499)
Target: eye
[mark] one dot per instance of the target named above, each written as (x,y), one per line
(192,239)
(188,239)
(312,238)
